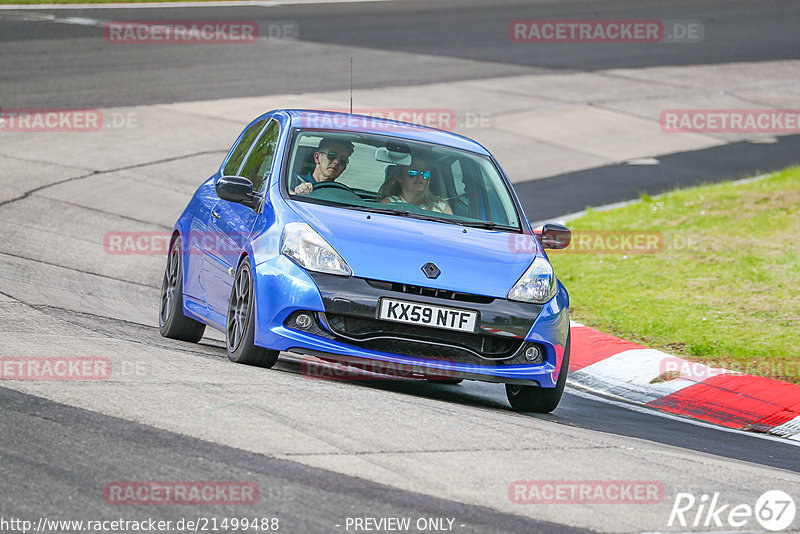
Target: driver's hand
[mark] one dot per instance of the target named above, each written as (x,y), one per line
(304,188)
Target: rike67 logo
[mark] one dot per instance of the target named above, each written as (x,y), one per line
(774,510)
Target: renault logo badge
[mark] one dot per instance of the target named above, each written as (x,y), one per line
(431,270)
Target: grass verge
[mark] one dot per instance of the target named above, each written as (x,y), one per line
(719,283)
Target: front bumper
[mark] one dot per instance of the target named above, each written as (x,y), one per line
(345,328)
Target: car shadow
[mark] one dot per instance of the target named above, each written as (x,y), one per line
(487,395)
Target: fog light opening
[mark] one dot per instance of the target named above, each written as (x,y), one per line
(533,353)
(304,320)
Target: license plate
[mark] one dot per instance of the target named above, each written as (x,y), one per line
(427,315)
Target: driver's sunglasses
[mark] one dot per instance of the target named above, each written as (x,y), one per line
(344,160)
(424,174)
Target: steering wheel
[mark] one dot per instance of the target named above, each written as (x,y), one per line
(332,187)
(323,185)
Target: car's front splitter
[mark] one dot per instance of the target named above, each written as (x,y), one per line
(283,288)
(302,343)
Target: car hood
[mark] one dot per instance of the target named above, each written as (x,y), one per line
(394,248)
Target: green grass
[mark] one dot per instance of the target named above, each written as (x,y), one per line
(724,290)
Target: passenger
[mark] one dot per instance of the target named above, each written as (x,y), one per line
(331,159)
(411,184)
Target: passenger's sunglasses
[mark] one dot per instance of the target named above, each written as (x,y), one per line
(344,160)
(424,174)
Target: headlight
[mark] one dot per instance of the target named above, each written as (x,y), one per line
(309,250)
(537,285)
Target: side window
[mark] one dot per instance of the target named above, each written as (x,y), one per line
(259,162)
(241,149)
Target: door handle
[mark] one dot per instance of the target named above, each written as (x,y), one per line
(215,214)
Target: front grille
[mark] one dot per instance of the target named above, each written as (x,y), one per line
(425,350)
(422,341)
(429,292)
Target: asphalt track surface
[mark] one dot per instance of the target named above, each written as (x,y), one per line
(57,64)
(575,191)
(303,498)
(60,455)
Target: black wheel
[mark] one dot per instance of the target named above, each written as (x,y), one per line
(172,323)
(536,399)
(240,330)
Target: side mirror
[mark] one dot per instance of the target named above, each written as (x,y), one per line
(555,236)
(237,189)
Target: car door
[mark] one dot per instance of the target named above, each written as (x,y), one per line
(194,284)
(230,224)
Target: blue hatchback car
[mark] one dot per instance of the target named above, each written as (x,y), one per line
(373,243)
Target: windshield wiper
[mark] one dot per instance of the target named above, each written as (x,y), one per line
(388,211)
(489,225)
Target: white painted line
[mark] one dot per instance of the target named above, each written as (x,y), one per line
(80,21)
(156,5)
(789,429)
(643,161)
(587,393)
(34,17)
(606,207)
(563,219)
(763,140)
(629,375)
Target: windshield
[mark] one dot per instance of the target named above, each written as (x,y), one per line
(399,176)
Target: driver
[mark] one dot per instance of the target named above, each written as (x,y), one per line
(331,160)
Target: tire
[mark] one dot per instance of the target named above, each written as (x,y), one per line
(172,323)
(537,399)
(240,326)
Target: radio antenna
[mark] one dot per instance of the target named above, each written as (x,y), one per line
(351,85)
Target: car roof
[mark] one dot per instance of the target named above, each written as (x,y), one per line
(331,120)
